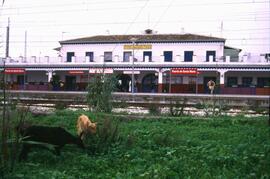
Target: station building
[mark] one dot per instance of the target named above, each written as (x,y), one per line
(159,63)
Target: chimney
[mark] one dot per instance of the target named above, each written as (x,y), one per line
(148,31)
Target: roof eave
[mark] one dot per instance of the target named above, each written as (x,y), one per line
(142,41)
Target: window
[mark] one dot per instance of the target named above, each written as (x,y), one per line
(69,56)
(90,55)
(232,82)
(188,56)
(210,53)
(107,56)
(175,79)
(168,56)
(126,56)
(192,80)
(263,81)
(147,54)
(246,81)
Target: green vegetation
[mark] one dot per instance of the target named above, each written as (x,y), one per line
(168,147)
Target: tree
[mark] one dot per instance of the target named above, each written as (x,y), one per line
(100,90)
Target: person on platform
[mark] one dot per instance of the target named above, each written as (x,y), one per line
(211,85)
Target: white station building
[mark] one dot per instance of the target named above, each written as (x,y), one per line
(163,63)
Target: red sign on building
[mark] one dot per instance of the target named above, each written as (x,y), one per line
(76,72)
(14,71)
(101,70)
(185,71)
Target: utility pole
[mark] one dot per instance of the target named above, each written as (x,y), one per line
(25,45)
(7,41)
(133,40)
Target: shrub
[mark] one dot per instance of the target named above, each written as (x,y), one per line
(177,108)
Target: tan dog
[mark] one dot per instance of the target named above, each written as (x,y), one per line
(85,126)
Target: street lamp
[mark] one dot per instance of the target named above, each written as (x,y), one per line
(133,40)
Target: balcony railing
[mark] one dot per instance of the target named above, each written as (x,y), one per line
(138,59)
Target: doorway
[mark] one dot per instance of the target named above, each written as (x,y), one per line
(70,83)
(149,83)
(124,82)
(20,79)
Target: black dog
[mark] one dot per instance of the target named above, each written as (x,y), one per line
(56,136)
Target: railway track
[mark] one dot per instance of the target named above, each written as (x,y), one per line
(140,99)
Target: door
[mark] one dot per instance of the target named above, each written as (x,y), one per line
(147,54)
(168,56)
(69,56)
(90,55)
(210,53)
(70,83)
(127,56)
(20,81)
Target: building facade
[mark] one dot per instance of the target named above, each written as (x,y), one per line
(164,63)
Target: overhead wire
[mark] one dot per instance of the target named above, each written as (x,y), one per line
(61,5)
(159,20)
(128,7)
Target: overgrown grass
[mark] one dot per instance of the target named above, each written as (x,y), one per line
(223,147)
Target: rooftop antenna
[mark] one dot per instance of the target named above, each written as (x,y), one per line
(221,29)
(148,21)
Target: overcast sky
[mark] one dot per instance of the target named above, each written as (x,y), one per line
(244,23)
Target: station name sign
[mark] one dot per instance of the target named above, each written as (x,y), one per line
(137,47)
(14,71)
(131,72)
(185,71)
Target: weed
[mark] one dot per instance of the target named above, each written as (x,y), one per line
(177,108)
(60,105)
(154,110)
(130,141)
(214,107)
(107,135)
